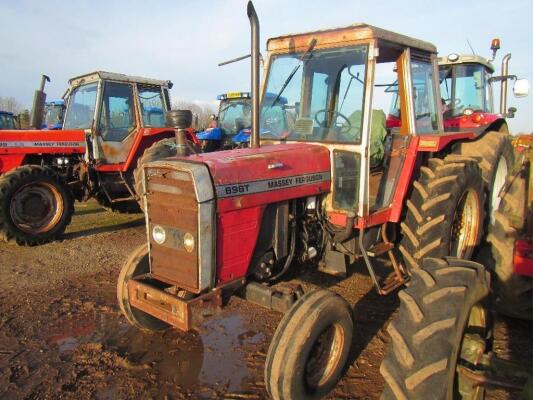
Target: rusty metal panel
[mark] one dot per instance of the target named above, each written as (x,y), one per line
(172,205)
(182,314)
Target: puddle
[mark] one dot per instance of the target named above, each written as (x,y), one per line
(213,356)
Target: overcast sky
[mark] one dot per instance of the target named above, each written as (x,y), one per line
(184,40)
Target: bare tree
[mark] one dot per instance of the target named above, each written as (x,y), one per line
(202,113)
(10,104)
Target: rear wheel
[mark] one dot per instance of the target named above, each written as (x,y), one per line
(35,205)
(441,331)
(495,152)
(159,150)
(137,264)
(310,348)
(514,293)
(444,212)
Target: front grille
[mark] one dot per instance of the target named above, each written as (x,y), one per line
(173,203)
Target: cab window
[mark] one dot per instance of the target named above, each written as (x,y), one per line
(117,114)
(426,120)
(152,106)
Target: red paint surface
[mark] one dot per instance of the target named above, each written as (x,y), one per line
(473,121)
(12,157)
(236,236)
(523,257)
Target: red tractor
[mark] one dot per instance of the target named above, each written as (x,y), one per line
(336,186)
(110,121)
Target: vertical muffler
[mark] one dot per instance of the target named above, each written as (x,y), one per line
(37,111)
(254,25)
(505,78)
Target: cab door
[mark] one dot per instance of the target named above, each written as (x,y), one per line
(117,124)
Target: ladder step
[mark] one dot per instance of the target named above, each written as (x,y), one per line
(379,249)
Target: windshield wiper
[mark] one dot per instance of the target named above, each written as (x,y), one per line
(293,72)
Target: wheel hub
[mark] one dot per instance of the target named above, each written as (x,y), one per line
(36,207)
(465,225)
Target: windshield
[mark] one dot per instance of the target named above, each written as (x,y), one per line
(464,86)
(53,114)
(7,121)
(234,115)
(319,92)
(81,106)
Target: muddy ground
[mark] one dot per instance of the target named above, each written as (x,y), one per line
(62,336)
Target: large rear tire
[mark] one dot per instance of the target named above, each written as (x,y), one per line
(36,205)
(496,158)
(442,326)
(159,150)
(137,264)
(514,293)
(444,212)
(309,350)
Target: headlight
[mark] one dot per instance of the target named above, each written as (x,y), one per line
(188,242)
(159,234)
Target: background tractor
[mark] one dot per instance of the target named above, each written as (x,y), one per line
(54,113)
(110,121)
(335,186)
(8,120)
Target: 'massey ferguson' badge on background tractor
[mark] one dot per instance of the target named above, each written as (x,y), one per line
(266,185)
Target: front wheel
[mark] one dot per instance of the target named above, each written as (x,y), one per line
(308,352)
(36,205)
(136,265)
(440,333)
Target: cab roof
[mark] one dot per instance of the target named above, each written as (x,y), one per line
(112,76)
(466,59)
(348,34)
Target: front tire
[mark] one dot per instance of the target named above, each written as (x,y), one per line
(309,350)
(443,325)
(36,205)
(159,150)
(444,212)
(137,264)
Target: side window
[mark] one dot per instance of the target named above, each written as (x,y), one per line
(152,106)
(117,115)
(424,97)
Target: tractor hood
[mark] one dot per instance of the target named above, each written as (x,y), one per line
(250,177)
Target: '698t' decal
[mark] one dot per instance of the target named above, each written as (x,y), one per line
(267,185)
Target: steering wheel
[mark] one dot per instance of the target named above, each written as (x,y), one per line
(346,127)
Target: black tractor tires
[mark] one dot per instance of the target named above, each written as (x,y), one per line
(159,150)
(36,205)
(445,211)
(514,293)
(443,326)
(310,347)
(137,264)
(494,153)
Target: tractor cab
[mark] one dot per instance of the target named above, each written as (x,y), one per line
(8,120)
(54,111)
(114,109)
(337,87)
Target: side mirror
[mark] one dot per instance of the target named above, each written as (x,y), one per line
(521,88)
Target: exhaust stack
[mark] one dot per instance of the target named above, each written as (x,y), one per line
(39,98)
(505,76)
(254,25)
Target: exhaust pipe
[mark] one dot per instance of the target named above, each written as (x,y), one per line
(254,25)
(505,75)
(39,98)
